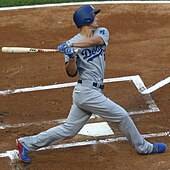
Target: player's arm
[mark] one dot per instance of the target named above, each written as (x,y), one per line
(100,37)
(89,42)
(70,59)
(71,67)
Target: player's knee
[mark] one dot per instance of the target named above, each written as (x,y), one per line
(70,132)
(123,114)
(123,117)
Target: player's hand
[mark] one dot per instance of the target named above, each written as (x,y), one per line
(62,47)
(70,52)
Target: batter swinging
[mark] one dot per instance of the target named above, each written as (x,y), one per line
(89,64)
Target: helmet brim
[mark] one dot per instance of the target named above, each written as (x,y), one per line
(96,11)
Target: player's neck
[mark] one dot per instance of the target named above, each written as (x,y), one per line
(86,31)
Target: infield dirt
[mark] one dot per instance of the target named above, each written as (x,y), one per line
(139,45)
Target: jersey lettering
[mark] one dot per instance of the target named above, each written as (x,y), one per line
(91,54)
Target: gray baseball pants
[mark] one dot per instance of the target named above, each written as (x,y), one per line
(88,100)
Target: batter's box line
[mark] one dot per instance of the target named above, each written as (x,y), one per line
(13,154)
(147,97)
(135,79)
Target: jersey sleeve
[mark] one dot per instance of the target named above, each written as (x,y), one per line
(103,33)
(69,42)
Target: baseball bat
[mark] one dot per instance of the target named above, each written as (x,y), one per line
(26,50)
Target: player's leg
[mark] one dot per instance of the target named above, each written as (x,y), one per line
(75,121)
(128,128)
(117,114)
(97,103)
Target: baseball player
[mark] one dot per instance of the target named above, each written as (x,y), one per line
(88,63)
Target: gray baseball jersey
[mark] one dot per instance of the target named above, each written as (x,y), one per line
(91,61)
(88,100)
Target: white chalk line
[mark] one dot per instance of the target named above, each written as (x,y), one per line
(2,127)
(81,3)
(135,79)
(148,99)
(58,121)
(57,86)
(13,154)
(102,141)
(156,86)
(3,155)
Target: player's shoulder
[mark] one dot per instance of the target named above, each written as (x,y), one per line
(77,37)
(101,30)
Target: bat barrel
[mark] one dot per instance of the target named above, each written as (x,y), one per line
(26,50)
(16,50)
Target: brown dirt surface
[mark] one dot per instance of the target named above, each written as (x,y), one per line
(139,45)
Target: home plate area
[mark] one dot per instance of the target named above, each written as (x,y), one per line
(95,128)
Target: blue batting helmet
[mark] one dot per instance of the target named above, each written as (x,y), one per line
(84,15)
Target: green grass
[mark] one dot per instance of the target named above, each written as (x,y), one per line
(9,3)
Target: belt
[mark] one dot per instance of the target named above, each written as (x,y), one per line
(93,84)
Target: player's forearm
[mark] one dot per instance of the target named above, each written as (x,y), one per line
(71,68)
(89,42)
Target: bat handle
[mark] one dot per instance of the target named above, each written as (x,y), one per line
(76,51)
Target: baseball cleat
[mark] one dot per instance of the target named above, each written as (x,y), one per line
(159,148)
(23,152)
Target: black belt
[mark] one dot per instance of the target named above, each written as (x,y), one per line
(94,84)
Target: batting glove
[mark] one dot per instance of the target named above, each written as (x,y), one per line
(70,52)
(62,47)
